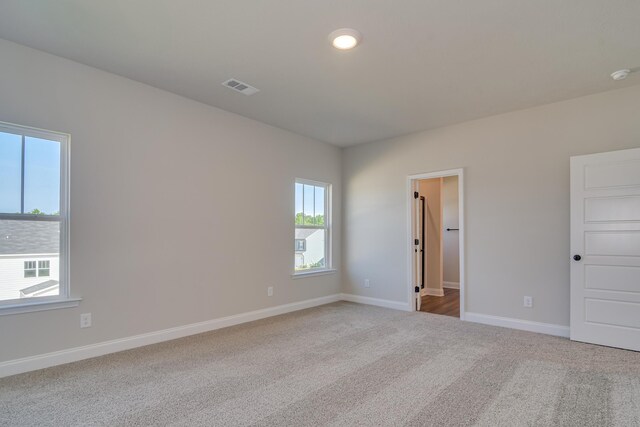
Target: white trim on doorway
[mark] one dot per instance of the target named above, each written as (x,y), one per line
(411,179)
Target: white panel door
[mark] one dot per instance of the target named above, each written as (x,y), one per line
(605,249)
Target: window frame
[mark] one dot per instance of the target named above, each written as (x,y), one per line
(328,244)
(48,267)
(64,298)
(28,268)
(303,245)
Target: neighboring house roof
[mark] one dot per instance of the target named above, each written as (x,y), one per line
(29,237)
(303,233)
(39,287)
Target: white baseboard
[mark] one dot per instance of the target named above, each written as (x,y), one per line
(451,285)
(434,292)
(46,360)
(524,325)
(396,305)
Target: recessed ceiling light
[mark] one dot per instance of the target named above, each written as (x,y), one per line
(620,74)
(345,38)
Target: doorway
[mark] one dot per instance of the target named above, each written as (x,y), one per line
(436,255)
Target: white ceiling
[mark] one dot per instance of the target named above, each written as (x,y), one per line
(422,63)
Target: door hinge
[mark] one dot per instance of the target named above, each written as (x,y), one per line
(417,289)
(415,195)
(416,242)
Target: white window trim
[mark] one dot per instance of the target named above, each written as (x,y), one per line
(328,226)
(311,273)
(64,299)
(39,304)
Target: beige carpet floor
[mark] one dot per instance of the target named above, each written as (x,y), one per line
(339,364)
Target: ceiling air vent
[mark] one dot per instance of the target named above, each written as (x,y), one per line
(241,87)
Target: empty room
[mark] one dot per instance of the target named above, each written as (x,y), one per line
(303,213)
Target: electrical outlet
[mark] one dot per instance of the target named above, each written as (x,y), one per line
(85,320)
(528,302)
(366,283)
(270,291)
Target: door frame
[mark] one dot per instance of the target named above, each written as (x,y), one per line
(423,236)
(411,267)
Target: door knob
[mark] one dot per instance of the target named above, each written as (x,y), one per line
(577,257)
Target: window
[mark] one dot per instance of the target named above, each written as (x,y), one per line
(43,268)
(29,269)
(301,245)
(33,216)
(312,226)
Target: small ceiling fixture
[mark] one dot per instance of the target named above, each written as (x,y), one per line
(345,38)
(620,74)
(241,87)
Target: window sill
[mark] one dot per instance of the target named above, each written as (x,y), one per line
(313,273)
(28,307)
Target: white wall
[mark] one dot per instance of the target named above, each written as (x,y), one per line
(450,240)
(161,191)
(516,201)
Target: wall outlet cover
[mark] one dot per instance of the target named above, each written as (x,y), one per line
(85,320)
